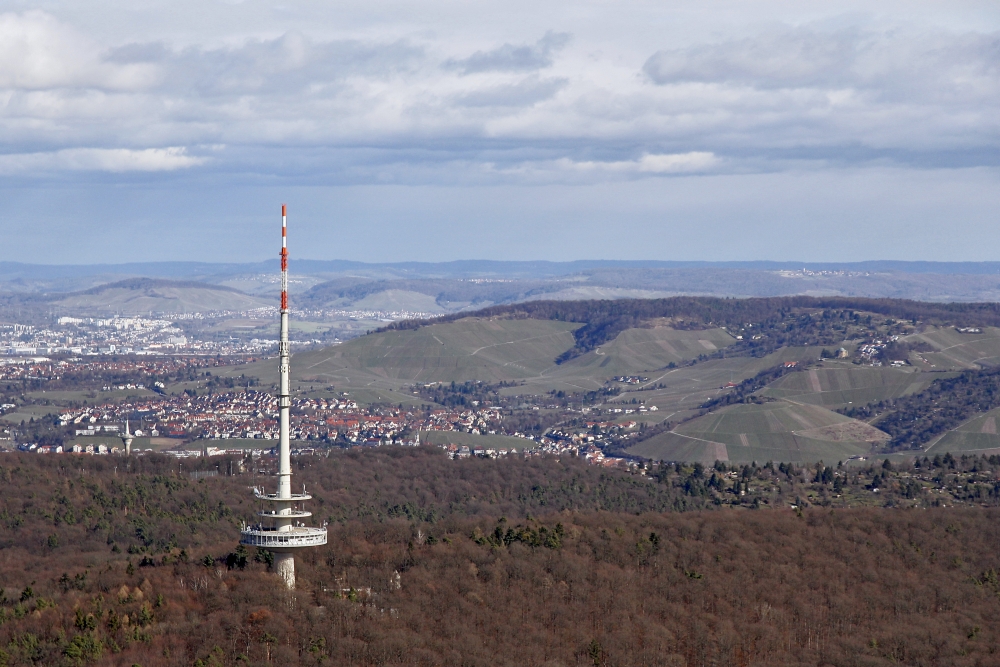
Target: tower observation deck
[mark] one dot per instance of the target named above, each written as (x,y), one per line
(281,529)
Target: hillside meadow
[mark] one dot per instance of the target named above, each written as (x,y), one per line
(688,356)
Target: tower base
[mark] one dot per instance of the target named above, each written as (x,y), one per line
(284,565)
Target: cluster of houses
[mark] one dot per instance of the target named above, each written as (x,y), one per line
(251,414)
(631,379)
(628,411)
(556,442)
(126,335)
(591,453)
(88,336)
(244,414)
(21,368)
(596,432)
(464,451)
(871,352)
(75,449)
(254,415)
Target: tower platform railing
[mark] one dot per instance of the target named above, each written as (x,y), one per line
(289,538)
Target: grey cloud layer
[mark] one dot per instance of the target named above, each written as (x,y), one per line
(419,109)
(937,66)
(513,58)
(290,64)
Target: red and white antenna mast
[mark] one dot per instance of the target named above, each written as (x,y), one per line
(284,372)
(281,532)
(284,260)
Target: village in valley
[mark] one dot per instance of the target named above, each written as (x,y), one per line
(183,397)
(213,416)
(246,422)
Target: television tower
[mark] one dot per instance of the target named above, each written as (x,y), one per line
(280,529)
(127,440)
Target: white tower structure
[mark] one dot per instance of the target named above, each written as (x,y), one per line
(280,529)
(127,440)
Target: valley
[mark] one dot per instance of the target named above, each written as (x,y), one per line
(793,379)
(681,381)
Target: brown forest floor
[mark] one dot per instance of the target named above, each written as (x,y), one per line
(548,585)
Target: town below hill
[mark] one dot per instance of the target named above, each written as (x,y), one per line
(790,380)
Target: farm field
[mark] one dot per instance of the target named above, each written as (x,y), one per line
(778,431)
(490,350)
(28,412)
(958,351)
(470,349)
(645,352)
(90,396)
(688,387)
(978,435)
(637,350)
(473,440)
(838,384)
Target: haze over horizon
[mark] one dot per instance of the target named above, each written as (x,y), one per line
(713,131)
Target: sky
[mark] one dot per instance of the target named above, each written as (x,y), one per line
(445,129)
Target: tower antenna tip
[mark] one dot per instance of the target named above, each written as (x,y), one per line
(283,210)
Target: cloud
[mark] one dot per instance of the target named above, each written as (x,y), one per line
(567,170)
(851,58)
(672,163)
(115,160)
(37,52)
(785,59)
(442,99)
(292,62)
(138,52)
(510,58)
(526,92)
(367,105)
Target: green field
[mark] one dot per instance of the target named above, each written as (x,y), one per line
(778,431)
(90,396)
(469,349)
(28,412)
(799,427)
(688,387)
(836,385)
(958,351)
(491,350)
(637,350)
(474,441)
(977,435)
(644,352)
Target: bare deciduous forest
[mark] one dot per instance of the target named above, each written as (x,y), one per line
(480,562)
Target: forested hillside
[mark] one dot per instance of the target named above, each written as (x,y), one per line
(603,320)
(915,420)
(510,562)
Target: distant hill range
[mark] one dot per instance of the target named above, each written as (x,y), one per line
(449,287)
(129,297)
(137,296)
